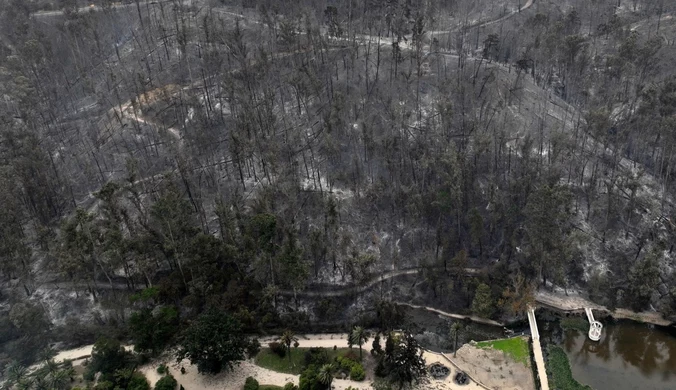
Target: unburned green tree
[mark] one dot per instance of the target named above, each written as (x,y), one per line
(213,342)
(153,331)
(358,336)
(483,304)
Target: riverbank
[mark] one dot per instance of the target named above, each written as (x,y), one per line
(560,374)
(461,317)
(575,303)
(630,355)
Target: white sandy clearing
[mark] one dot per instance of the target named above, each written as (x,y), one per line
(447,383)
(74,354)
(234,380)
(328,340)
(495,369)
(80,353)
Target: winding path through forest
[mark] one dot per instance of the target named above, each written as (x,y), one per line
(485,23)
(352,289)
(547,298)
(97,8)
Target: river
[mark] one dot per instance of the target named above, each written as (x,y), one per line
(630,355)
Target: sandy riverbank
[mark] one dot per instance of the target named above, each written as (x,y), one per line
(574,302)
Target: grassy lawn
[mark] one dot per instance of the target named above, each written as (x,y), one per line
(558,370)
(268,359)
(516,347)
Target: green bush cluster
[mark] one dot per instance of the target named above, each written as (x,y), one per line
(357,373)
(316,356)
(251,384)
(352,367)
(152,330)
(278,348)
(138,382)
(116,366)
(558,368)
(167,382)
(309,379)
(162,369)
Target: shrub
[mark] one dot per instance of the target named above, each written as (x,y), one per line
(107,356)
(560,375)
(357,372)
(152,331)
(162,369)
(166,383)
(381,370)
(278,348)
(352,355)
(316,356)
(345,364)
(104,385)
(251,384)
(89,375)
(309,379)
(253,348)
(138,382)
(342,365)
(290,386)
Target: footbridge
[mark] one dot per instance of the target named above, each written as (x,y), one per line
(595,327)
(537,350)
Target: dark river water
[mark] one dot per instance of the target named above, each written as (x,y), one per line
(629,355)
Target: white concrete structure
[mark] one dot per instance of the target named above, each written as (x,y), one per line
(537,350)
(595,327)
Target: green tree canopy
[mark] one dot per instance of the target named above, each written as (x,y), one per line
(108,356)
(213,342)
(483,304)
(405,363)
(153,331)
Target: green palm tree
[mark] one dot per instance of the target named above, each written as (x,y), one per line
(455,330)
(60,380)
(51,366)
(41,383)
(15,372)
(46,354)
(24,384)
(325,375)
(288,338)
(358,336)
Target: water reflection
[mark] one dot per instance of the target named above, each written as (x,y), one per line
(628,356)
